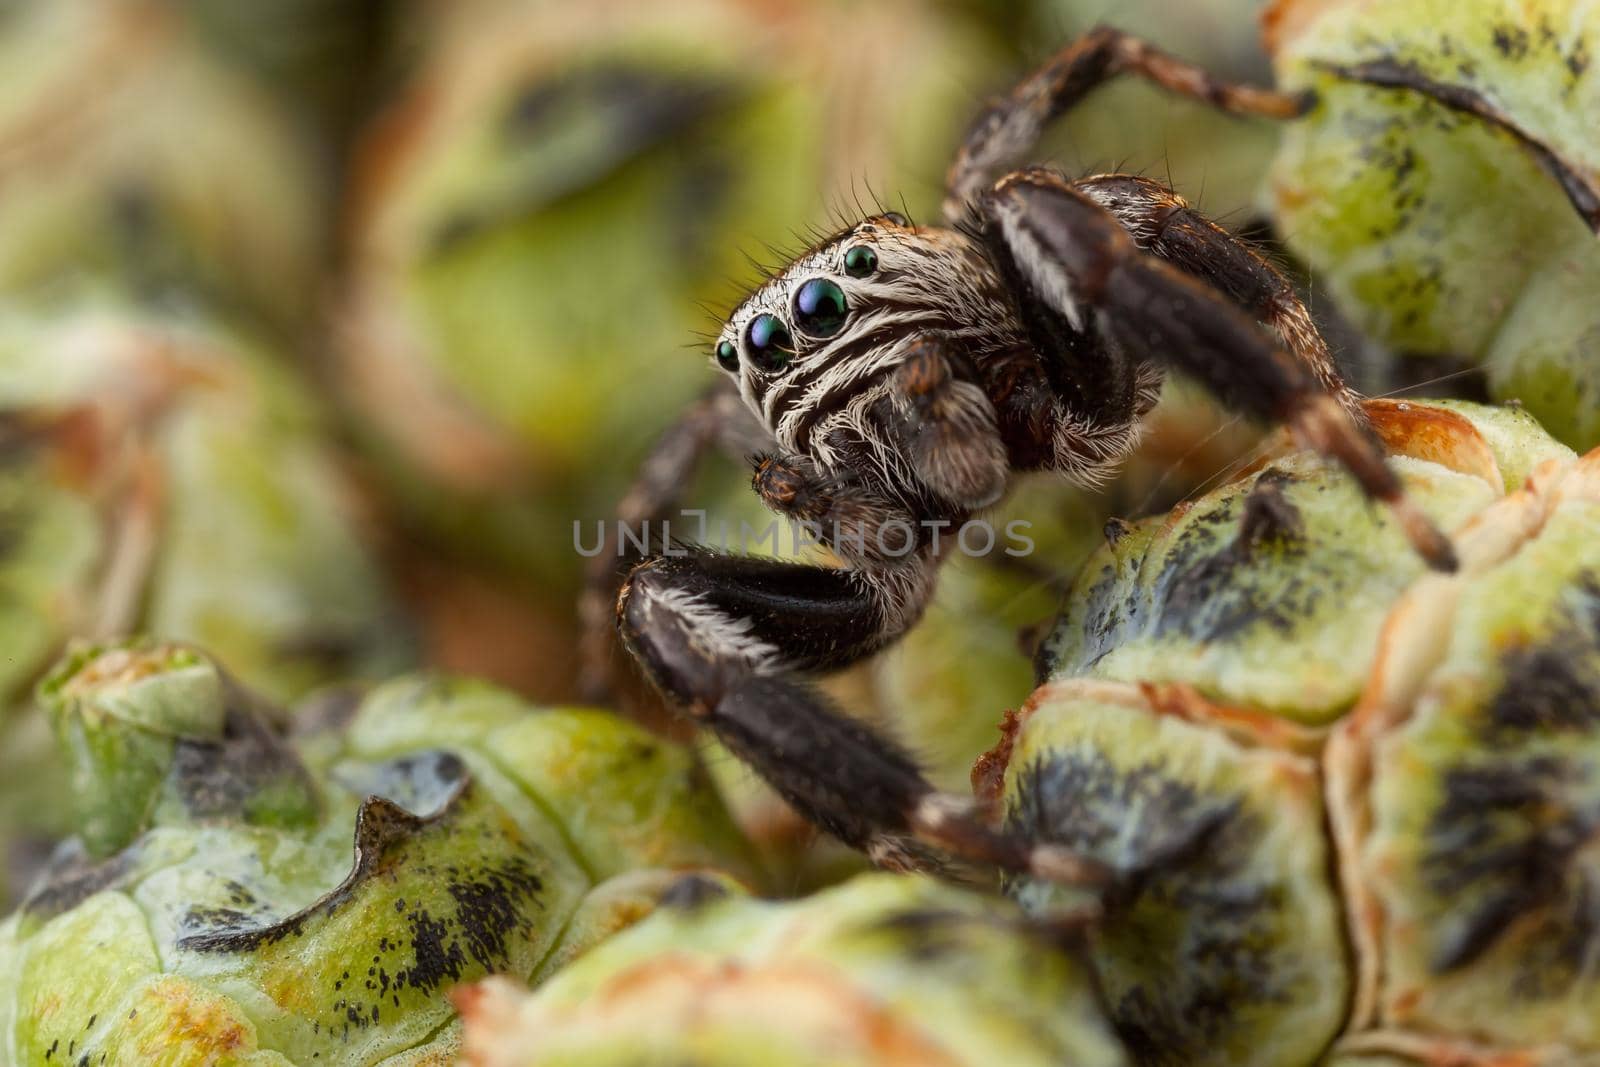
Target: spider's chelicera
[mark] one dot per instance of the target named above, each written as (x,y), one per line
(902,375)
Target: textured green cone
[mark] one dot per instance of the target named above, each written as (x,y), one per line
(124,717)
(558,191)
(128,153)
(1467,785)
(881,970)
(1229,951)
(1436,233)
(1183,737)
(236,927)
(1285,617)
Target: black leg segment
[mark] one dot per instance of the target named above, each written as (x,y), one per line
(1076,256)
(728,638)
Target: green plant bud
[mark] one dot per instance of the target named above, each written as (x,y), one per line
(881,970)
(1466,785)
(1229,948)
(1346,800)
(1270,594)
(1436,231)
(143,726)
(237,927)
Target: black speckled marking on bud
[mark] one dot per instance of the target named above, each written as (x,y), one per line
(1220,943)
(230,778)
(1513,836)
(429,902)
(74,878)
(1184,856)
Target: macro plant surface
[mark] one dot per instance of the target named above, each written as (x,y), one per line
(1343,802)
(235,895)
(879,971)
(162,472)
(1439,233)
(1348,798)
(1281,796)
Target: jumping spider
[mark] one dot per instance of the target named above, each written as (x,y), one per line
(901,375)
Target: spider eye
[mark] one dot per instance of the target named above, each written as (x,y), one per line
(860,261)
(819,308)
(769,343)
(728,356)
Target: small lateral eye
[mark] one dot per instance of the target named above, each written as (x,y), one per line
(727,355)
(769,343)
(860,261)
(819,308)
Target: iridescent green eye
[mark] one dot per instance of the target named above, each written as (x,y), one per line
(769,343)
(819,308)
(728,356)
(860,261)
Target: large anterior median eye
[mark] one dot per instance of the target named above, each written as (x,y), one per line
(769,343)
(819,308)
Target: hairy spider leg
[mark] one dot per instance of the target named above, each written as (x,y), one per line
(1011,125)
(729,640)
(1077,255)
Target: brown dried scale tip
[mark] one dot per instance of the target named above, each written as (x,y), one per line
(887,971)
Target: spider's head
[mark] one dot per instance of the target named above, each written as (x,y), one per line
(819,339)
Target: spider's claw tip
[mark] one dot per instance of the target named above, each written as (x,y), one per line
(1432,544)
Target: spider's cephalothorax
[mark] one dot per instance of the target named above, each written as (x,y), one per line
(841,355)
(890,381)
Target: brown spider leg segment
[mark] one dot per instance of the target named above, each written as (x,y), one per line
(937,417)
(1075,255)
(864,527)
(717,419)
(1163,223)
(728,639)
(1581,188)
(948,427)
(1011,125)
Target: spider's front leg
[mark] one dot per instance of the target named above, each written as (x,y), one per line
(728,639)
(1075,256)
